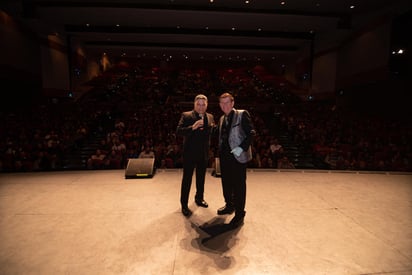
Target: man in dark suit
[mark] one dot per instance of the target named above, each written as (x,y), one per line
(235,139)
(195,126)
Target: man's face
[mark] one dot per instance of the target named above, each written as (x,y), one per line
(226,105)
(200,106)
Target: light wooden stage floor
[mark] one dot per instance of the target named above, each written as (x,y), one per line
(297,222)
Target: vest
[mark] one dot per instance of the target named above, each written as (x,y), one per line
(236,136)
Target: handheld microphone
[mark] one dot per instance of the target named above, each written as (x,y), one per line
(202,116)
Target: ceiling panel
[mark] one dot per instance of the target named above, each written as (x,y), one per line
(198,28)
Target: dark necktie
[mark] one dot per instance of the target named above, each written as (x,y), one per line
(205,121)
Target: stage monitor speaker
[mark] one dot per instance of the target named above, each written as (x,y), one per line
(140,168)
(216,170)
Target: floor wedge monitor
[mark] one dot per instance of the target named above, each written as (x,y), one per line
(140,168)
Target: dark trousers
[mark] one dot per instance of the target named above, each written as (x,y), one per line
(233,182)
(188,168)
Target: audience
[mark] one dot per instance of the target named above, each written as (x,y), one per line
(136,115)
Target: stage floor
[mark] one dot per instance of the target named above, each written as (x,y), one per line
(297,222)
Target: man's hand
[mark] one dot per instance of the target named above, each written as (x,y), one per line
(237,151)
(197,124)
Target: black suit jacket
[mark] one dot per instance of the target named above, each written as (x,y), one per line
(196,142)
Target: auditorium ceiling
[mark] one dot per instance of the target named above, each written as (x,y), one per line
(225,30)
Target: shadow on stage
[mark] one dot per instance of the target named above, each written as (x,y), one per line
(215,235)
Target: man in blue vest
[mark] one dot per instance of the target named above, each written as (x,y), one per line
(235,139)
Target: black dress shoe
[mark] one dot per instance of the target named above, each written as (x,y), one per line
(225,210)
(186,211)
(236,221)
(201,203)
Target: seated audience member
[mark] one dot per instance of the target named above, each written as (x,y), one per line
(284,163)
(275,150)
(332,157)
(119,146)
(147,153)
(131,154)
(97,160)
(114,160)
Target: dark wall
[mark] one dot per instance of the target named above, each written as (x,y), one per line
(18,88)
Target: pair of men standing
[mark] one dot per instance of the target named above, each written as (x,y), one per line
(235,131)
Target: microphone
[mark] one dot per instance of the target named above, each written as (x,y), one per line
(203,118)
